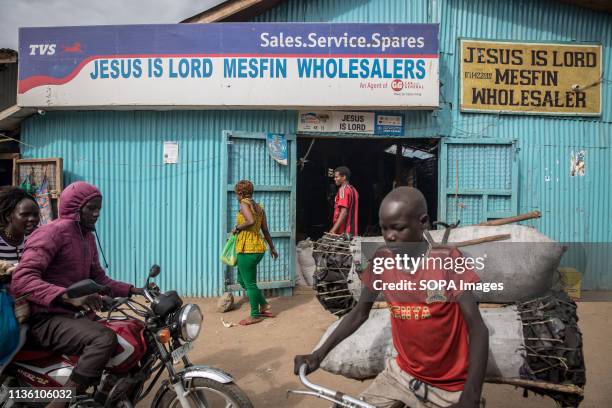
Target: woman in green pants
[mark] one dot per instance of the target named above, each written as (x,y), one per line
(250,247)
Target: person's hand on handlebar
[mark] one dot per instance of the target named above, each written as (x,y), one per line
(312,361)
(136,291)
(89,303)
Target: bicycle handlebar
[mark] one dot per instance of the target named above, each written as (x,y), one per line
(329,394)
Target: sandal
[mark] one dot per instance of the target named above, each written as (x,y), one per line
(265,311)
(250,320)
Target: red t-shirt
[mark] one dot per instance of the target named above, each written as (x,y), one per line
(347,197)
(429,333)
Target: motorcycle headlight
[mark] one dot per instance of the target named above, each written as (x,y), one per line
(190,322)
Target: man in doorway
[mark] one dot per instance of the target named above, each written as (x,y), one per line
(440,338)
(346,207)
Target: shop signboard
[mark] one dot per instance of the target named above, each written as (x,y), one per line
(392,125)
(367,123)
(531,78)
(230,65)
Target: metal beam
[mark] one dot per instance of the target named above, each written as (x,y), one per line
(598,5)
(221,12)
(10,118)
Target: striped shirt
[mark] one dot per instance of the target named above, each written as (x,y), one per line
(347,197)
(10,253)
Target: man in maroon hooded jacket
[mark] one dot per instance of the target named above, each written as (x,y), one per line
(56,256)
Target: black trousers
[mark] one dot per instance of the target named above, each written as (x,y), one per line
(92,342)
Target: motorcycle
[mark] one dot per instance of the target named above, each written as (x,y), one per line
(153,338)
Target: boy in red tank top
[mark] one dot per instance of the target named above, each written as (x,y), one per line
(438,333)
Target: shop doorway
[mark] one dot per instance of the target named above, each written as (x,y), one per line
(6,168)
(377,166)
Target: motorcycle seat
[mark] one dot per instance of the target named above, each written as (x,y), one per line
(31,355)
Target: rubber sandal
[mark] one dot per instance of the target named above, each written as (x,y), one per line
(267,313)
(247,322)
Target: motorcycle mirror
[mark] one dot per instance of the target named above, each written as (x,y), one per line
(155,270)
(83,288)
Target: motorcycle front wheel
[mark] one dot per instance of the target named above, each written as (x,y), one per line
(215,393)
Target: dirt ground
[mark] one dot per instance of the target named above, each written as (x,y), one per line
(260,357)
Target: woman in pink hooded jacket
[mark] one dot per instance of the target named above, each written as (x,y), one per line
(56,256)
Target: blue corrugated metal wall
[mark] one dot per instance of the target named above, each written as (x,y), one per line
(574,208)
(478,180)
(154,213)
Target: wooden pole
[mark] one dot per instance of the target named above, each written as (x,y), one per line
(476,241)
(569,389)
(510,220)
(399,147)
(482,240)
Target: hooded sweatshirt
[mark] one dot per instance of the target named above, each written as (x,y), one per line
(59,254)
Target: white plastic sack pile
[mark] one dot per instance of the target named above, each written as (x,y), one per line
(363,354)
(306,261)
(525,264)
(299,276)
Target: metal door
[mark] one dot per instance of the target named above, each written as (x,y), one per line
(246,157)
(479,180)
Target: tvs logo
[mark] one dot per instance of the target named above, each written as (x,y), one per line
(42,49)
(397,85)
(76,47)
(50,49)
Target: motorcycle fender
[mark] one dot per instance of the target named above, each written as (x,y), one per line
(202,371)
(199,371)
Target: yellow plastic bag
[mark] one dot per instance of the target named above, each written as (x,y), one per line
(228,255)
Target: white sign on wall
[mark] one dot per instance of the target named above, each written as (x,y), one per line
(171,152)
(367,123)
